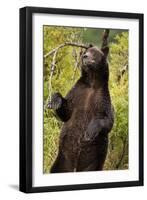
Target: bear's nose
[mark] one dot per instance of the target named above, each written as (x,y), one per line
(85,56)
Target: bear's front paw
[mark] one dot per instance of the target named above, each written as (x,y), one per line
(88,137)
(56,101)
(93,130)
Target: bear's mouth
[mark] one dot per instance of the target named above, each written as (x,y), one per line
(88,63)
(89,66)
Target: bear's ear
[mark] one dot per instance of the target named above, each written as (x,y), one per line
(90,45)
(105,50)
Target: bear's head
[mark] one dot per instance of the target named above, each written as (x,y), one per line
(94,59)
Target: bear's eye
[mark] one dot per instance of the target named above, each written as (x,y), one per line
(84,52)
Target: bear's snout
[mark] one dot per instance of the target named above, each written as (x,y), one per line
(85,56)
(88,59)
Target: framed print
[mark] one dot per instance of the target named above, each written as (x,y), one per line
(81,99)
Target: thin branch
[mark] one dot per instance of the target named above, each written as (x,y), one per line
(54,52)
(53,64)
(63,45)
(51,73)
(77,63)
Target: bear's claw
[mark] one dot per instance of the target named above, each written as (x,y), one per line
(55,102)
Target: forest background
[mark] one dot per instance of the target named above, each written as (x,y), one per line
(65,74)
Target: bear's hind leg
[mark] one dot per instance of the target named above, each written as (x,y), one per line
(62,164)
(57,166)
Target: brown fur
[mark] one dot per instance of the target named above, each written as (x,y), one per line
(88,117)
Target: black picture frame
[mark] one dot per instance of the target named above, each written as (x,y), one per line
(26,98)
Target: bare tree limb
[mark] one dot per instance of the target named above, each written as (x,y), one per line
(76,58)
(51,73)
(63,45)
(54,52)
(50,79)
(105,38)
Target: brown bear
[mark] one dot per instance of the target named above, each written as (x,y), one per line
(87,114)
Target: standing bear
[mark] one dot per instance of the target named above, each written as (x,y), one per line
(87,114)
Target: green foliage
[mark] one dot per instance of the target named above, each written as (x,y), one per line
(118,146)
(94,35)
(65,76)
